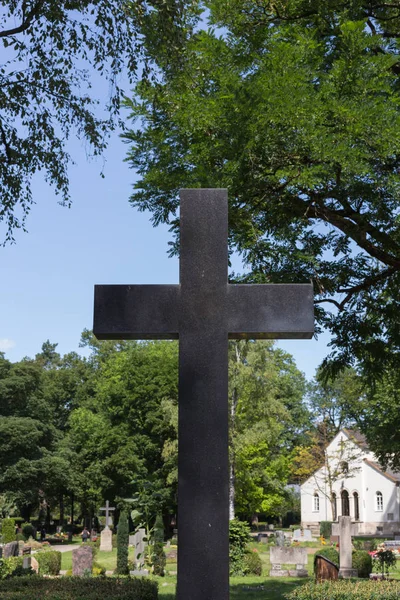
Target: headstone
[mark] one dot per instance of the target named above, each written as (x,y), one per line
(279,538)
(288,556)
(203,311)
(34,564)
(302,535)
(392,544)
(106,540)
(345,529)
(26,563)
(82,561)
(263,538)
(325,569)
(139,545)
(11,549)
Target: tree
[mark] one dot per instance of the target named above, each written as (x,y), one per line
(295,109)
(49,50)
(334,401)
(122,544)
(267,418)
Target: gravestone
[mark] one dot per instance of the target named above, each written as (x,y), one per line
(34,565)
(279,538)
(203,311)
(325,569)
(345,529)
(82,561)
(288,556)
(302,535)
(11,549)
(139,545)
(106,534)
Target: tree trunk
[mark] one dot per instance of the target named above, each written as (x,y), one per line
(61,510)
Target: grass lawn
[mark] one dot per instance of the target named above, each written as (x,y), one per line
(242,588)
(106,559)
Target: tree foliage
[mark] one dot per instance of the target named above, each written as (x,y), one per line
(49,51)
(294,107)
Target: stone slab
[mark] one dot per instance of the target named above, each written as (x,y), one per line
(298,573)
(139,573)
(11,549)
(302,535)
(106,540)
(279,573)
(82,561)
(289,556)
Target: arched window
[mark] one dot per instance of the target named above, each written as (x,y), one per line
(379,501)
(345,503)
(315,502)
(356,506)
(334,507)
(344,465)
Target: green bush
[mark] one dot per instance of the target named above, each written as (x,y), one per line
(239,536)
(49,562)
(28,531)
(8,530)
(362,561)
(122,545)
(330,553)
(347,590)
(12,567)
(158,559)
(252,563)
(325,528)
(78,588)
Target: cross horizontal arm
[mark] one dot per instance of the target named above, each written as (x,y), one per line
(136,312)
(275,311)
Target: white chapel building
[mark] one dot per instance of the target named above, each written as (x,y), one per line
(360,487)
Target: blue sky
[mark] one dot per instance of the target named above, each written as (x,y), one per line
(48,275)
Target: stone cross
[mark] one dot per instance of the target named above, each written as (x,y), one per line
(345,530)
(203,311)
(108,509)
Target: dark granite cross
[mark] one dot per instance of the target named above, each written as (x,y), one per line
(203,311)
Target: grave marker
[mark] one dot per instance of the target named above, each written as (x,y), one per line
(203,311)
(106,534)
(345,529)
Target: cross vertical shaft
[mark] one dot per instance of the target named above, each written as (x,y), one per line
(203,462)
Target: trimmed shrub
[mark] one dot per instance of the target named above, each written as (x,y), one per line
(252,563)
(239,536)
(28,530)
(347,590)
(330,553)
(78,588)
(362,561)
(8,530)
(122,545)
(49,562)
(325,528)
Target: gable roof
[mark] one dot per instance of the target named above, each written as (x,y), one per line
(357,437)
(392,475)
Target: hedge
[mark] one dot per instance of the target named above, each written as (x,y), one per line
(78,588)
(347,590)
(12,567)
(49,562)
(252,563)
(325,528)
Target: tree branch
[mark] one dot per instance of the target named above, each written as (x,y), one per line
(27,20)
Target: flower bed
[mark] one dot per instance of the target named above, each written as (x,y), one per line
(347,590)
(77,588)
